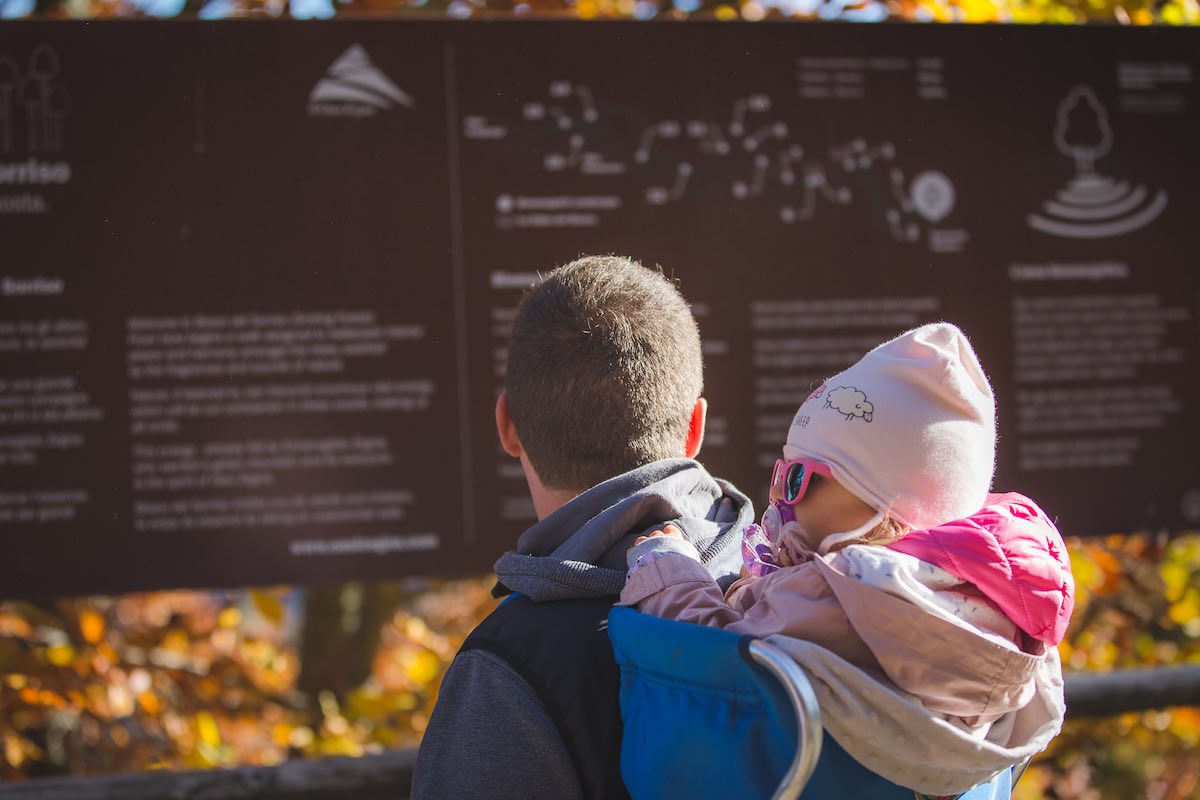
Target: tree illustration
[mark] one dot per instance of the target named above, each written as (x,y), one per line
(9,78)
(1082,132)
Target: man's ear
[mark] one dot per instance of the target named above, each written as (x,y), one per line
(695,434)
(504,426)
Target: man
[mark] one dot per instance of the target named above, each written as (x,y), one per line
(602,405)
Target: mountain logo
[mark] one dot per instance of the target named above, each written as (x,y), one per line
(354,87)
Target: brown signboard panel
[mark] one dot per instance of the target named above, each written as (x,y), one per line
(256,279)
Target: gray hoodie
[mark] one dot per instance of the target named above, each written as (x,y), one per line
(489,735)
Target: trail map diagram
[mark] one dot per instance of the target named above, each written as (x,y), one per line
(758,158)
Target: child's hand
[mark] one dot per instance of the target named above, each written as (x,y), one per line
(669,529)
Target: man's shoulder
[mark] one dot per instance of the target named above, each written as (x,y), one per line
(561,651)
(519,615)
(537,639)
(490,736)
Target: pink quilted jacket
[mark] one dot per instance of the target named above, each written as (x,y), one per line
(1011,552)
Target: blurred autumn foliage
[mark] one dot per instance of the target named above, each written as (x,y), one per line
(1122,12)
(1137,605)
(205,679)
(177,680)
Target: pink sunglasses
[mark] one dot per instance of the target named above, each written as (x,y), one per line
(790,479)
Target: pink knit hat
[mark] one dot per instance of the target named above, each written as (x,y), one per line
(910,429)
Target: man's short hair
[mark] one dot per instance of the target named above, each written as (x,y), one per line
(604,369)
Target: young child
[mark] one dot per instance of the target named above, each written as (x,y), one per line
(925,610)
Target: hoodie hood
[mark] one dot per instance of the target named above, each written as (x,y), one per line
(579,550)
(1011,552)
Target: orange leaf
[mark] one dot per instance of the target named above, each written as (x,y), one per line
(42,697)
(91,625)
(1110,568)
(150,702)
(12,625)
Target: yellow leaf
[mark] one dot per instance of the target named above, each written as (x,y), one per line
(1104,656)
(336,726)
(340,746)
(14,754)
(229,618)
(1176,576)
(60,655)
(97,701)
(1185,610)
(268,605)
(281,734)
(176,641)
(207,728)
(423,667)
(91,625)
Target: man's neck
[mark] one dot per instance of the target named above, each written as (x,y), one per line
(545,500)
(548,501)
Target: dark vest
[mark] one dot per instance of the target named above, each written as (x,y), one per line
(561,649)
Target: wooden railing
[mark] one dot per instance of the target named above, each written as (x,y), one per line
(388,776)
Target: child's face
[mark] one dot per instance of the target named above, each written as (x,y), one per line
(828,508)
